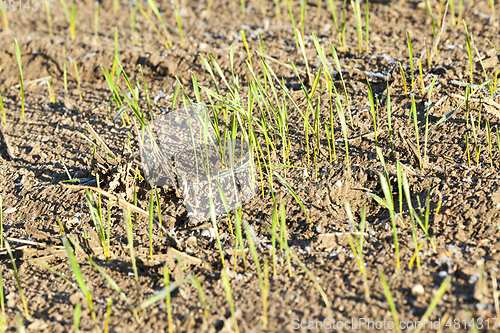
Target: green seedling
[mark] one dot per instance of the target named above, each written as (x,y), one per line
(441,291)
(274,228)
(389,298)
(150,224)
(357,16)
(452,14)
(339,69)
(161,295)
(65,73)
(389,116)
(372,109)
(20,65)
(115,58)
(410,53)
(166,277)
(467,148)
(421,76)
(5,21)
(1,220)
(428,54)
(96,213)
(460,9)
(266,293)
(239,239)
(492,4)
(20,324)
(75,267)
(429,8)
(488,131)
(469,53)
(367,26)
(277,5)
(357,245)
(303,4)
(227,288)
(2,109)
(158,206)
(2,301)
(117,288)
(214,224)
(76,318)
(389,205)
(263,8)
(50,88)
(427,118)
(284,245)
(476,144)
(283,237)
(415,126)
(399,173)
(242,33)
(290,13)
(344,17)
(49,20)
(108,314)
(72,24)
(498,140)
(133,21)
(415,217)
(66,12)
(78,80)
(339,36)
(196,283)
(130,239)
(16,275)
(294,195)
(115,6)
(178,19)
(242,5)
(403,77)
(152,5)
(167,43)
(96,21)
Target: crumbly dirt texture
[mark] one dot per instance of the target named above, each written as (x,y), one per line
(464,196)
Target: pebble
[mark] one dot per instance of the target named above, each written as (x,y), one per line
(191,241)
(208,232)
(10,210)
(417,290)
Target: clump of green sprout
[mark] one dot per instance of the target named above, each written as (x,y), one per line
(153,7)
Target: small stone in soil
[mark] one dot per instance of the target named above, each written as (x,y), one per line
(417,290)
